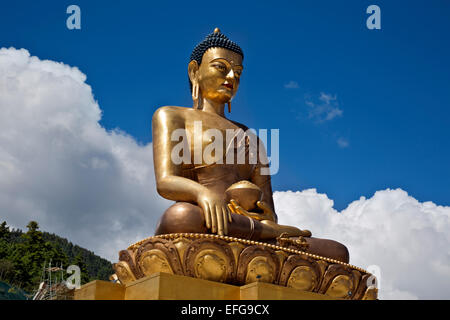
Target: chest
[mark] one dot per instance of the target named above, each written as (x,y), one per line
(220,142)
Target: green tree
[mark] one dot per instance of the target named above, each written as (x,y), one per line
(6,247)
(6,269)
(79,261)
(4,230)
(31,255)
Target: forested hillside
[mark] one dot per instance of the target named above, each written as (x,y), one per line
(23,255)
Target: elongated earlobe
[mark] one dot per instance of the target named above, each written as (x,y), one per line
(195,89)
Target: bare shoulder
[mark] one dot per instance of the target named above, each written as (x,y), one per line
(169,113)
(240,125)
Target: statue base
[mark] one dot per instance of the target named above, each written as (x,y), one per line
(164,286)
(228,264)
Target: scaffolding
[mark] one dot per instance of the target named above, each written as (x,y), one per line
(52,285)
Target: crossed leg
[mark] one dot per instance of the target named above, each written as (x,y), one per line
(184,217)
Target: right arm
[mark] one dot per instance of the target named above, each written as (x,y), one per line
(169,180)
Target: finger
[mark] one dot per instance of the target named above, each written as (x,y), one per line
(237,208)
(213,219)
(263,206)
(234,203)
(240,210)
(268,212)
(207,214)
(231,208)
(229,216)
(225,220)
(219,215)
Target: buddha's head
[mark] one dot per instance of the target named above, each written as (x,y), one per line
(215,68)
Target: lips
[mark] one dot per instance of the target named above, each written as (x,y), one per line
(228,85)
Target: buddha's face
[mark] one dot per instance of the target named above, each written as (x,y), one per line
(219,73)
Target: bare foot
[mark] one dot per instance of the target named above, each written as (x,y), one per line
(291,231)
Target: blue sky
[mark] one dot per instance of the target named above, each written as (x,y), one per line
(390,87)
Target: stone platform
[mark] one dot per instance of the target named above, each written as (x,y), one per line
(164,286)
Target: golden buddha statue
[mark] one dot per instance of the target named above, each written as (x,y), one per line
(218,198)
(223,227)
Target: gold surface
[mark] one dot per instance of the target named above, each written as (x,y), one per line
(124,272)
(340,287)
(260,269)
(162,286)
(236,248)
(245,193)
(100,290)
(154,261)
(266,291)
(302,278)
(215,81)
(211,265)
(213,195)
(185,236)
(181,244)
(229,260)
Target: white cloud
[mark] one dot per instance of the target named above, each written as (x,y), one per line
(59,167)
(342,142)
(325,110)
(292,85)
(407,239)
(327,98)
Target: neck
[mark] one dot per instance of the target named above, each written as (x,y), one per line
(213,107)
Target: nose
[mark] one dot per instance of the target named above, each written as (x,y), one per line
(230,74)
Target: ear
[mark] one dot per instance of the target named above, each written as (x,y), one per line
(193,70)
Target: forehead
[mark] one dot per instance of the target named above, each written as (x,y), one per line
(215,53)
